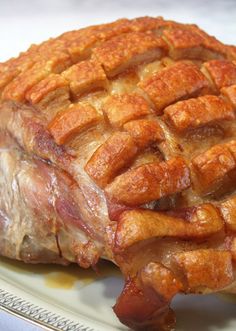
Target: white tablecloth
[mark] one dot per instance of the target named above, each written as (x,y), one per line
(24,22)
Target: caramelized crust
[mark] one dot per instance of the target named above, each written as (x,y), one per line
(194,113)
(128,50)
(149,182)
(84,77)
(48,89)
(122,108)
(116,153)
(182,38)
(176,82)
(192,43)
(210,43)
(222,72)
(228,210)
(6,77)
(214,166)
(121,140)
(71,121)
(230,93)
(18,88)
(138,225)
(145,132)
(233,248)
(206,268)
(162,280)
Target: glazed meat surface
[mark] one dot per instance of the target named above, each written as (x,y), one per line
(118,141)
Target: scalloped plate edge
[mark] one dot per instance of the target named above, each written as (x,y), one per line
(38,312)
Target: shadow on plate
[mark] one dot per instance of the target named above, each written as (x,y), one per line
(204,313)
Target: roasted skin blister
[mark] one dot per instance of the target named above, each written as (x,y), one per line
(118,141)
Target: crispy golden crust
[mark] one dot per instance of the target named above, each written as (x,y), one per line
(206,268)
(174,83)
(194,113)
(214,165)
(150,182)
(230,93)
(84,77)
(145,132)
(17,89)
(222,72)
(205,221)
(120,109)
(71,121)
(228,209)
(141,114)
(48,88)
(116,153)
(128,50)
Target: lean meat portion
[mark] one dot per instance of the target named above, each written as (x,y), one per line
(118,141)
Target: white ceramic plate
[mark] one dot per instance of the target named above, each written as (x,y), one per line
(71,299)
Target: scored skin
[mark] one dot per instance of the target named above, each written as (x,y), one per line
(194,113)
(131,48)
(122,109)
(100,154)
(73,120)
(165,88)
(84,77)
(222,72)
(149,182)
(215,164)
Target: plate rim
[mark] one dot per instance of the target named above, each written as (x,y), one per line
(37,315)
